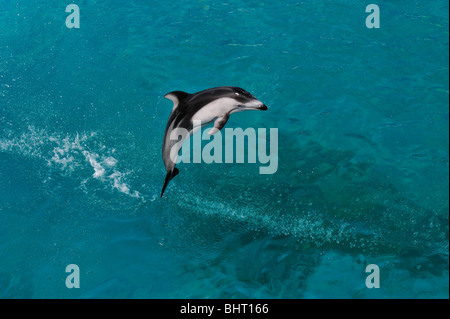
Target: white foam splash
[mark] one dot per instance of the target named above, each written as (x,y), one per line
(69,153)
(117,182)
(99,170)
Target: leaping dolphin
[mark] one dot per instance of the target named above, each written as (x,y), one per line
(194,111)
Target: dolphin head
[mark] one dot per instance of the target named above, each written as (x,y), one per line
(246,101)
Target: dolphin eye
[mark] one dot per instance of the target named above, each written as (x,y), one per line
(236,93)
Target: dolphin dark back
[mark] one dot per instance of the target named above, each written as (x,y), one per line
(209,95)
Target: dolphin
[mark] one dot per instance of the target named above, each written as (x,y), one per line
(191,112)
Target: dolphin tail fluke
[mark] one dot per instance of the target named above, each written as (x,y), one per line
(169,176)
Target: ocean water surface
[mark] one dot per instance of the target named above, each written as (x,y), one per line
(363,150)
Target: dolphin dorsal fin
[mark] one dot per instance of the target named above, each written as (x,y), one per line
(176,97)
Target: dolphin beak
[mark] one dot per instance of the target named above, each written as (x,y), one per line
(263,107)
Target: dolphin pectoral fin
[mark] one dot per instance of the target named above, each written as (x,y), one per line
(219,124)
(169,176)
(213,131)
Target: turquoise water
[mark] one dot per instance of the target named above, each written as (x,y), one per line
(363,123)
